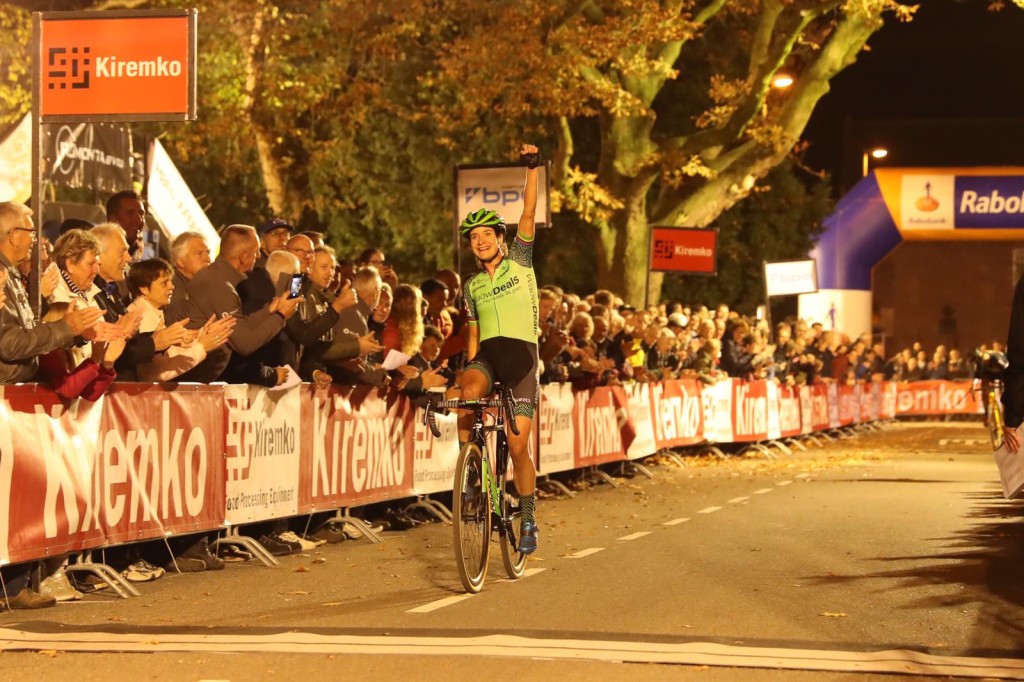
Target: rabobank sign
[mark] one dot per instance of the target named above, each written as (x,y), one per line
(986,201)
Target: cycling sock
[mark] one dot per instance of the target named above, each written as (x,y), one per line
(526,506)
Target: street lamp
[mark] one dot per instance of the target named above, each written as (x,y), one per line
(876,153)
(782,81)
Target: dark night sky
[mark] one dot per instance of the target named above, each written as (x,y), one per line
(943,90)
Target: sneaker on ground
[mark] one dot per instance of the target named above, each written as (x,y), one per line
(28,599)
(528,537)
(330,533)
(293,538)
(157,571)
(88,583)
(294,546)
(275,546)
(142,572)
(201,550)
(59,587)
(354,533)
(317,542)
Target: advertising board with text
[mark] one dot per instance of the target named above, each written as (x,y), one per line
(117,65)
(683,250)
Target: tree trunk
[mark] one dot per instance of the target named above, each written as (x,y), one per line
(274,178)
(623,252)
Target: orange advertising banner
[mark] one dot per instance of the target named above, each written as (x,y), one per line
(685,250)
(117,66)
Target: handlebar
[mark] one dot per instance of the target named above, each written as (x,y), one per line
(503,400)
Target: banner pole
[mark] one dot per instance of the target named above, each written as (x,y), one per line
(650,253)
(36,201)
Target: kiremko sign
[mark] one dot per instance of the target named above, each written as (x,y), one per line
(688,251)
(117,66)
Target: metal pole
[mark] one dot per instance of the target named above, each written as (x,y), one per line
(650,251)
(36,201)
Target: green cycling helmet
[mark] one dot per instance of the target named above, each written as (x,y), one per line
(483,217)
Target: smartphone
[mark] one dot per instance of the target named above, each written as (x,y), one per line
(296,287)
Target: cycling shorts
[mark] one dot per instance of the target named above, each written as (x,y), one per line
(514,363)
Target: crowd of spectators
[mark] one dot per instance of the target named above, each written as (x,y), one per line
(277,303)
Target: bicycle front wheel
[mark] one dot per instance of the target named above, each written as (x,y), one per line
(471,524)
(514,560)
(994,420)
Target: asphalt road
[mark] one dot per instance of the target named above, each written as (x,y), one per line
(890,552)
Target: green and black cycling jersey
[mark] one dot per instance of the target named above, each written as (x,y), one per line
(506,305)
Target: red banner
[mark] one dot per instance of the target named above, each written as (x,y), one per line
(162,461)
(48,454)
(849,404)
(686,250)
(603,429)
(936,397)
(357,449)
(677,412)
(124,66)
(150,460)
(749,411)
(789,411)
(819,407)
(141,463)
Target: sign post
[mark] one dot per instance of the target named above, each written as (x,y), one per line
(130,65)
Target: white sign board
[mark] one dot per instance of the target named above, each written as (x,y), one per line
(171,201)
(499,188)
(787,278)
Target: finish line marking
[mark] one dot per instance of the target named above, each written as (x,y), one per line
(900,661)
(708,510)
(675,522)
(585,552)
(634,536)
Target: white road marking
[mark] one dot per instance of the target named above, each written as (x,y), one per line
(737,500)
(901,661)
(803,475)
(762,491)
(943,441)
(439,604)
(708,510)
(585,552)
(783,482)
(634,536)
(675,522)
(526,574)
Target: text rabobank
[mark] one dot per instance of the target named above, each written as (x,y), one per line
(985,201)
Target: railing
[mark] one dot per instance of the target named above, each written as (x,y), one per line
(148,460)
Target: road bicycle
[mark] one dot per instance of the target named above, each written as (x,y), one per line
(481,505)
(988,378)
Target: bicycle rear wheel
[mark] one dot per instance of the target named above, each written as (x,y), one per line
(471,523)
(994,419)
(511,557)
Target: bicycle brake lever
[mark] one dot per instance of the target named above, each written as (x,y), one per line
(507,399)
(428,417)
